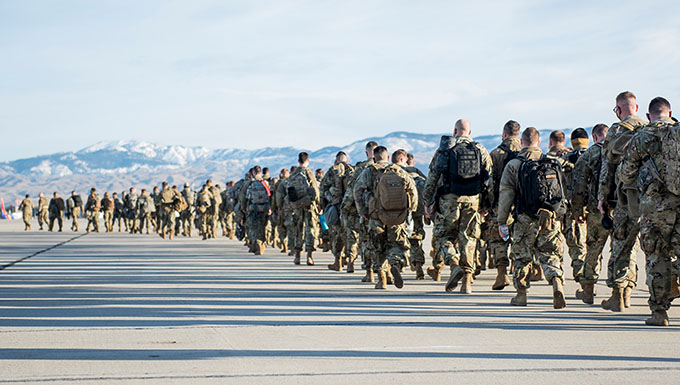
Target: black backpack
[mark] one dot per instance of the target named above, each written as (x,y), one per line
(462,169)
(541,186)
(77,201)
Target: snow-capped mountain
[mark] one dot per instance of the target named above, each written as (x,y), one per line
(115,166)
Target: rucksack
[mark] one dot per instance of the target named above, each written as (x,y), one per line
(390,203)
(670,152)
(217,197)
(541,186)
(77,201)
(189,197)
(509,155)
(420,181)
(181,204)
(461,166)
(298,191)
(257,193)
(167,197)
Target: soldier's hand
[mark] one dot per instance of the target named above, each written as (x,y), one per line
(600,206)
(580,219)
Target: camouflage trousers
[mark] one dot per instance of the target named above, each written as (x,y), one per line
(204,223)
(660,239)
(92,219)
(43,218)
(365,244)
(352,228)
(496,247)
(622,265)
(74,217)
(186,219)
(228,226)
(288,221)
(530,243)
(146,220)
(255,225)
(337,235)
(108,220)
(416,240)
(596,238)
(387,245)
(27,216)
(575,236)
(457,228)
(167,220)
(306,229)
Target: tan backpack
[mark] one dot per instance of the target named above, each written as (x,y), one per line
(390,203)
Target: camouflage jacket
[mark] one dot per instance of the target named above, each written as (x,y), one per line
(585,180)
(435,178)
(43,204)
(334,183)
(558,151)
(510,182)
(26,205)
(365,184)
(613,150)
(348,207)
(498,156)
(644,161)
(569,162)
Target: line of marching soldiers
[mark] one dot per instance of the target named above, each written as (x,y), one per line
(513,209)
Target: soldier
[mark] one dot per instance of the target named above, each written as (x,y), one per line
(622,264)
(357,226)
(585,180)
(257,199)
(156,215)
(456,193)
(213,210)
(556,143)
(187,215)
(332,189)
(108,205)
(417,234)
(147,211)
(496,246)
(239,216)
(92,207)
(278,216)
(286,214)
(324,235)
(303,195)
(385,194)
(132,207)
(26,208)
(43,211)
(74,207)
(227,212)
(573,231)
(169,199)
(56,209)
(652,162)
(203,203)
(118,210)
(533,183)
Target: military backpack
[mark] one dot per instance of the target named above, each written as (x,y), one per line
(258,193)
(462,168)
(390,201)
(541,186)
(300,190)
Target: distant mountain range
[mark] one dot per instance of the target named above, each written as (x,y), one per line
(115,166)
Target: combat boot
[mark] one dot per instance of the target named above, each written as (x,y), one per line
(615,302)
(502,279)
(310,261)
(658,318)
(390,278)
(587,295)
(418,267)
(520,299)
(466,285)
(259,248)
(627,291)
(536,273)
(456,274)
(396,273)
(368,277)
(558,294)
(296,260)
(350,267)
(336,265)
(492,263)
(284,249)
(675,289)
(434,273)
(382,280)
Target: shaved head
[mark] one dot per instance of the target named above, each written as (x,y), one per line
(461,128)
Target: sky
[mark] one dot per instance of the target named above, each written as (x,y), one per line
(310,74)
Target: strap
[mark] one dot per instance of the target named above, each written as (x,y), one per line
(262,182)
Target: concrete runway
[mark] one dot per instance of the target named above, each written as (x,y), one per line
(122,309)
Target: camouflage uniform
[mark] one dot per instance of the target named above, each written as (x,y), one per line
(575,233)
(529,241)
(496,246)
(388,245)
(417,218)
(457,220)
(203,203)
(147,212)
(585,182)
(92,208)
(257,212)
(132,207)
(356,226)
(646,164)
(306,221)
(214,210)
(169,199)
(26,208)
(286,215)
(118,211)
(278,217)
(622,265)
(75,208)
(107,206)
(187,215)
(332,189)
(43,211)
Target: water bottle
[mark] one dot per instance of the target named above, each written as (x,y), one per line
(322,220)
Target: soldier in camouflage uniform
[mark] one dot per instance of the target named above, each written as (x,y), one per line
(239,217)
(531,238)
(460,200)
(656,147)
(622,264)
(43,210)
(169,200)
(417,234)
(324,236)
(132,210)
(74,208)
(257,198)
(356,225)
(305,208)
(585,180)
(213,211)
(227,212)
(186,217)
(278,213)
(388,243)
(573,231)
(203,203)
(107,206)
(26,207)
(332,188)
(147,212)
(496,246)
(92,207)
(156,215)
(118,209)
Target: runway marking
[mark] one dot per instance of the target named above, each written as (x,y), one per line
(3,267)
